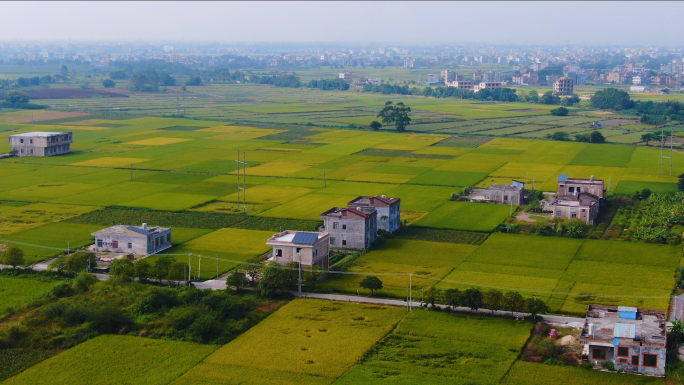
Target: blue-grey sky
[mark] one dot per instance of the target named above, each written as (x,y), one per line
(510,22)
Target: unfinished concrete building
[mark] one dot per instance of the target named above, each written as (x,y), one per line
(41,143)
(632,339)
(498,193)
(574,186)
(350,228)
(389,210)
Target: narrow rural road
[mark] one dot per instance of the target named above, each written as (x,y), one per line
(220,284)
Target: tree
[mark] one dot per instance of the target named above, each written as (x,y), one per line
(532,96)
(64,70)
(559,135)
(142,269)
(167,80)
(59,264)
(178,271)
(582,138)
(108,83)
(17,97)
(79,261)
(452,297)
(647,137)
(472,298)
(371,283)
(313,275)
(292,271)
(596,137)
(677,331)
(560,111)
(273,280)
(680,184)
(375,125)
(492,300)
(194,81)
(549,98)
(117,75)
(396,114)
(432,295)
(123,268)
(513,301)
(160,270)
(535,306)
(236,279)
(14,257)
(611,99)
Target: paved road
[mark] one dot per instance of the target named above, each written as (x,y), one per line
(677,307)
(569,321)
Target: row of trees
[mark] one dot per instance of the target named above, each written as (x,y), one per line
(329,84)
(593,137)
(273,278)
(493,300)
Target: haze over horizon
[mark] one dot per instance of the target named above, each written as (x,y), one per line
(515,23)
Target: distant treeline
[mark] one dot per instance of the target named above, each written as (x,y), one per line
(650,112)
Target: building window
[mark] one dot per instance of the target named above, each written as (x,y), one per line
(622,351)
(21,140)
(573,215)
(559,214)
(584,210)
(130,245)
(505,198)
(599,354)
(31,151)
(571,189)
(22,150)
(344,242)
(335,225)
(115,244)
(279,253)
(30,141)
(99,243)
(332,240)
(344,227)
(650,360)
(635,360)
(578,190)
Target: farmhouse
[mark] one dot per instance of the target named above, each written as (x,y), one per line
(139,240)
(350,228)
(574,186)
(630,338)
(583,206)
(389,210)
(41,143)
(498,193)
(300,246)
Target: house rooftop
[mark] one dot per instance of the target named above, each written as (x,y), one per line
(38,134)
(363,212)
(131,231)
(296,237)
(369,200)
(504,187)
(565,178)
(624,326)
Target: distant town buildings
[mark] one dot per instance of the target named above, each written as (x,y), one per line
(41,143)
(138,240)
(563,86)
(347,76)
(487,85)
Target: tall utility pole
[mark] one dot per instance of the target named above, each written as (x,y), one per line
(242,187)
(300,272)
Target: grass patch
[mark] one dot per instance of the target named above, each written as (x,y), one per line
(466,216)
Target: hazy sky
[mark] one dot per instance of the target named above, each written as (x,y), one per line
(553,22)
